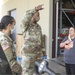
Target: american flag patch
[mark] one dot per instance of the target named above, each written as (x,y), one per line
(5,47)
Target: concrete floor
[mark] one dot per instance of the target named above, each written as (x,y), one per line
(57,65)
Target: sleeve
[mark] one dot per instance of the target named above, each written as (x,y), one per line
(15,67)
(39,38)
(7,50)
(65,39)
(26,19)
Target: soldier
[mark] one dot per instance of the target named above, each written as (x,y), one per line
(6,28)
(32,34)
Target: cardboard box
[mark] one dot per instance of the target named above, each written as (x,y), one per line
(19,43)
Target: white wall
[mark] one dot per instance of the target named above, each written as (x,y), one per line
(45,21)
(1,2)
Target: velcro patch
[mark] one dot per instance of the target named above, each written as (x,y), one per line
(5,47)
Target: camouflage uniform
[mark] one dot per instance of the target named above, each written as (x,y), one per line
(8,48)
(31,49)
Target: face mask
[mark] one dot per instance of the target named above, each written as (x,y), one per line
(12,30)
(37,19)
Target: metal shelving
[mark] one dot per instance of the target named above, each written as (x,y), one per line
(64,11)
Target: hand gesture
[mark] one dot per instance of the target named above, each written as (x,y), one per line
(67,42)
(39,7)
(67,47)
(71,44)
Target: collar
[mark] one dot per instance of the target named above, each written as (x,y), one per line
(3,34)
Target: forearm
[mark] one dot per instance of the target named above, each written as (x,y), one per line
(27,18)
(62,44)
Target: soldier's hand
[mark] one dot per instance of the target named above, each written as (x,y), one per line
(39,7)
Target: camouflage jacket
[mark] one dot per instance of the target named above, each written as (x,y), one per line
(6,43)
(8,48)
(32,33)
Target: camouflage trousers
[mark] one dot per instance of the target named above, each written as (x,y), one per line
(28,67)
(28,62)
(16,68)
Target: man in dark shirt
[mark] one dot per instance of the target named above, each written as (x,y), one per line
(69,51)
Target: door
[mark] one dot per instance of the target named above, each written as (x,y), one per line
(13,14)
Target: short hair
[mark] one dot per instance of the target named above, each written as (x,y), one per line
(72,27)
